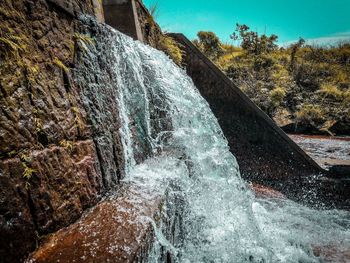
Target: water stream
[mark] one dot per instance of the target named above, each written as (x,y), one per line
(209,213)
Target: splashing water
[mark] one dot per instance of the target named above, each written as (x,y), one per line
(209,213)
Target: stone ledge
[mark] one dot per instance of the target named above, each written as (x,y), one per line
(118,229)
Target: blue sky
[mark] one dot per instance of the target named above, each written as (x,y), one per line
(319,21)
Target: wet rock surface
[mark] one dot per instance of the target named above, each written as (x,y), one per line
(116,230)
(333,253)
(325,150)
(59,184)
(51,149)
(266,192)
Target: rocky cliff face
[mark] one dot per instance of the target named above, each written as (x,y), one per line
(59,147)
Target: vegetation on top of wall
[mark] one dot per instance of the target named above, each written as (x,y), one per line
(304,84)
(171,48)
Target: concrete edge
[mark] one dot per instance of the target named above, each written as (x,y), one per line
(137,21)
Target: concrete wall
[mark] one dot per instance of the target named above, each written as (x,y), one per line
(122,15)
(263,150)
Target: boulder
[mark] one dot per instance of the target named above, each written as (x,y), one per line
(118,229)
(44,191)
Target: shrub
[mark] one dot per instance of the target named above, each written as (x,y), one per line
(263,62)
(209,43)
(346,97)
(340,76)
(225,61)
(277,96)
(309,114)
(254,43)
(171,48)
(330,91)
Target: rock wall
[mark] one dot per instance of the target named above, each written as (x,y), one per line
(59,145)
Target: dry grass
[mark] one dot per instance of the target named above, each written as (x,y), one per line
(310,114)
(330,91)
(60,64)
(171,48)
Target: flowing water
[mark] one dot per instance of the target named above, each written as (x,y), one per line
(209,214)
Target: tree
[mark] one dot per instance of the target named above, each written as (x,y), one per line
(252,42)
(294,49)
(209,44)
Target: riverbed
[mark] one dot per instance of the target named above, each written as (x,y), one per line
(325,150)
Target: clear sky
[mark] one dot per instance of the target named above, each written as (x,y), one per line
(319,21)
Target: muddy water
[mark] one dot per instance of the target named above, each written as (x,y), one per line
(325,150)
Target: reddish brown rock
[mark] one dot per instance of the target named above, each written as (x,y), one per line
(116,230)
(39,102)
(46,180)
(336,253)
(44,191)
(264,191)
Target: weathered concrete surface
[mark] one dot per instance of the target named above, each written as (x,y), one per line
(132,18)
(123,16)
(151,31)
(116,230)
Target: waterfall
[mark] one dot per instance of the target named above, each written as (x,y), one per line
(209,214)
